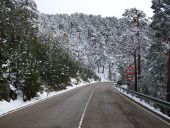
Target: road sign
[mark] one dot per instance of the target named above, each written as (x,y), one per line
(130,77)
(130,73)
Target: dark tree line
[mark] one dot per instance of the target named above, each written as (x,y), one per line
(28,62)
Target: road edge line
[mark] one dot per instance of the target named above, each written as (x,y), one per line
(134,102)
(84,111)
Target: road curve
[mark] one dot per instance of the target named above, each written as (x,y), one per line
(106,109)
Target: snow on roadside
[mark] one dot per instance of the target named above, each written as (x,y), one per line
(142,102)
(124,86)
(6,107)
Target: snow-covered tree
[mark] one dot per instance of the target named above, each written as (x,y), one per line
(6,8)
(161,25)
(155,79)
(134,38)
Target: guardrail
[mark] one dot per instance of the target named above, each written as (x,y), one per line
(162,105)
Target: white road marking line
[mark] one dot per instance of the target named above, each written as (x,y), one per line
(133,102)
(38,101)
(84,111)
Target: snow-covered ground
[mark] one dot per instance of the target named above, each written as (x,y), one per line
(102,75)
(124,86)
(142,102)
(7,107)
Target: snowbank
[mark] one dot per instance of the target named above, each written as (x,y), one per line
(124,86)
(7,107)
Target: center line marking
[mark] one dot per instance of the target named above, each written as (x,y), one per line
(82,116)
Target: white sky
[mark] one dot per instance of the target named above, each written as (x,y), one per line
(95,7)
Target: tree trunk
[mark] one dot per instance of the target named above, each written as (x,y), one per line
(110,75)
(168,83)
(139,56)
(139,66)
(135,62)
(103,69)
(9,72)
(98,67)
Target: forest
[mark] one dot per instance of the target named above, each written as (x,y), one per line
(41,51)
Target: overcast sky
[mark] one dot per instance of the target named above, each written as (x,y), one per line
(95,7)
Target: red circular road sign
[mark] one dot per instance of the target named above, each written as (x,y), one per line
(130,76)
(129,73)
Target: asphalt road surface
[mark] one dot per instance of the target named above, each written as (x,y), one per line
(92,106)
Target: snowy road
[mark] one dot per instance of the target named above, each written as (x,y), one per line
(96,106)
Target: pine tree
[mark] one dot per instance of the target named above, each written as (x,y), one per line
(5,25)
(161,25)
(155,72)
(135,40)
(21,39)
(161,19)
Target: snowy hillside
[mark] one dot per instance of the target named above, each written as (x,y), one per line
(90,39)
(95,41)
